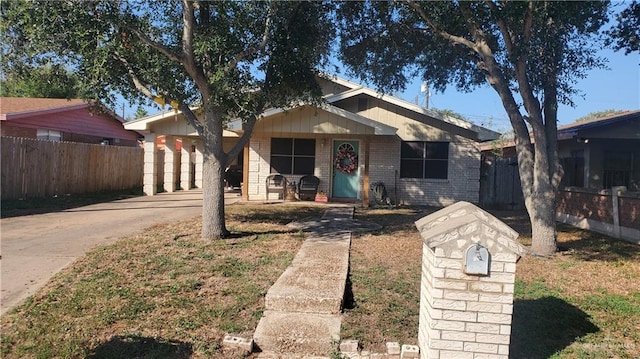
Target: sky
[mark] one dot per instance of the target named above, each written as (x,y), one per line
(616,88)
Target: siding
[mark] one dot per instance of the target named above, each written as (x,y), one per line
(78,121)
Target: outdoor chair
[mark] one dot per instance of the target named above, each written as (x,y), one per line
(308,187)
(276,183)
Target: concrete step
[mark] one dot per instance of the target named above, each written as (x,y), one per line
(297,334)
(315,281)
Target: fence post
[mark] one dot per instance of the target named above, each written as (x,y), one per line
(468,275)
(615,193)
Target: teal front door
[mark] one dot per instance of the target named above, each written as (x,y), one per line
(345,169)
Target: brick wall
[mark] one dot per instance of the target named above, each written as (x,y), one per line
(462,184)
(463,181)
(466,316)
(630,210)
(586,204)
(595,210)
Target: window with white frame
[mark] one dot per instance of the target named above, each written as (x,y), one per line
(49,135)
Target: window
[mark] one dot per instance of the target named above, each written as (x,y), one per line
(573,169)
(293,156)
(424,159)
(618,167)
(49,135)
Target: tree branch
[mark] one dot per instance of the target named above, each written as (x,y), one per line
(136,81)
(156,45)
(436,29)
(259,47)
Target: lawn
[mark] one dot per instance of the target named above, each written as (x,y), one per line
(167,294)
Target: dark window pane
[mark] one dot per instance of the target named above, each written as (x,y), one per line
(281,164)
(281,146)
(303,165)
(304,147)
(411,168)
(436,169)
(437,150)
(412,150)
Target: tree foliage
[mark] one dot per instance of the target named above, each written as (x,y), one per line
(530,52)
(625,34)
(49,81)
(232,58)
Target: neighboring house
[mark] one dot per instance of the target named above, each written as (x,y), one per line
(357,138)
(600,189)
(595,154)
(63,120)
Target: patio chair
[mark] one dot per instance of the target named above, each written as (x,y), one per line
(308,187)
(276,183)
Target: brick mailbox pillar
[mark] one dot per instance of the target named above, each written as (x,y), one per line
(468,274)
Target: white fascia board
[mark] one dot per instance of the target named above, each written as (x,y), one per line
(143,124)
(339,80)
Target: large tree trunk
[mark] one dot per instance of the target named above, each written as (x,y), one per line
(541,206)
(213,167)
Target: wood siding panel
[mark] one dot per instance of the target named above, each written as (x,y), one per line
(310,120)
(78,121)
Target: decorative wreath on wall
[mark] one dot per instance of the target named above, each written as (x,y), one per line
(346,158)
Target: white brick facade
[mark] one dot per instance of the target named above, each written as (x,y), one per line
(463,315)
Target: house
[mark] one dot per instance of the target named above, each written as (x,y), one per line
(600,189)
(356,139)
(595,154)
(63,120)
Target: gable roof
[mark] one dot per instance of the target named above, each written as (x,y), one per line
(28,105)
(19,107)
(353,89)
(484,134)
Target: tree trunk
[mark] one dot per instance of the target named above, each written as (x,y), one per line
(213,216)
(213,167)
(542,213)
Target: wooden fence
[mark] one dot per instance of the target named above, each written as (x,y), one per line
(33,168)
(500,186)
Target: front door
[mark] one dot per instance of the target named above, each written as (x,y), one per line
(345,169)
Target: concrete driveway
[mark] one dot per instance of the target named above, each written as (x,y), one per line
(36,247)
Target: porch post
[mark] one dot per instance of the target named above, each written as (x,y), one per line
(244,188)
(199,163)
(365,197)
(150,181)
(185,165)
(169,164)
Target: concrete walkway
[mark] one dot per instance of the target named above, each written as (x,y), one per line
(303,308)
(36,247)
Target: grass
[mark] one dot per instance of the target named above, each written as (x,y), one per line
(167,294)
